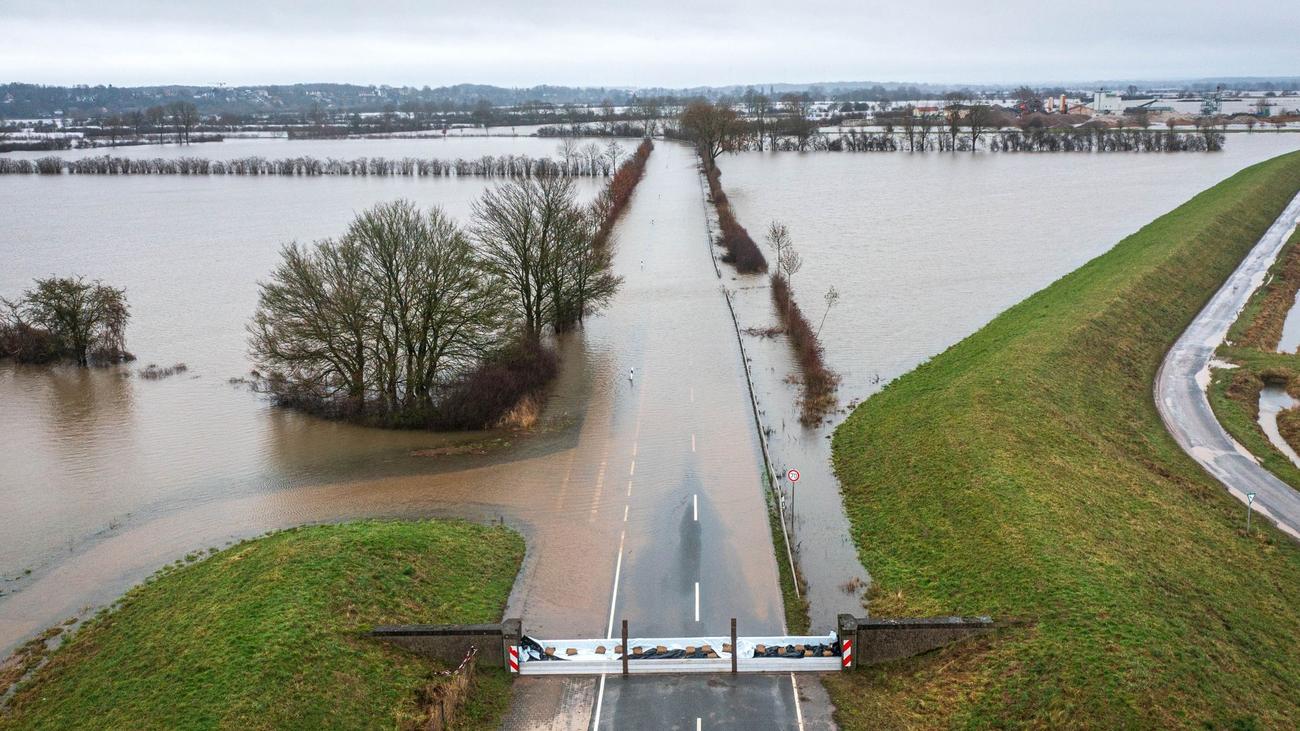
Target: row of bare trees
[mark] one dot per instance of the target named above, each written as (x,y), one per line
(409,319)
(179,119)
(502,166)
(922,138)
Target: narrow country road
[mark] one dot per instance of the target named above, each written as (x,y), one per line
(677,471)
(1181,382)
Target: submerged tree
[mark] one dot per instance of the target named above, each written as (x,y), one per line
(380,319)
(541,246)
(70,318)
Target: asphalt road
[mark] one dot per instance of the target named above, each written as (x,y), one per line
(678,471)
(1183,377)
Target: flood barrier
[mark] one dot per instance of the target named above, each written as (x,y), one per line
(704,654)
(858,641)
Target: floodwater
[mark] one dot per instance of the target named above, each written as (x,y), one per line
(1290,340)
(452,147)
(925,249)
(89,453)
(640,499)
(1272,401)
(105,476)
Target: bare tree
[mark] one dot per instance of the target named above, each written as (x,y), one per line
(713,128)
(788,261)
(538,243)
(613,151)
(157,117)
(979,118)
(650,111)
(832,298)
(757,107)
(924,124)
(908,122)
(381,319)
(568,151)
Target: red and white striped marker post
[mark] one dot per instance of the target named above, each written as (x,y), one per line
(846,652)
(514,658)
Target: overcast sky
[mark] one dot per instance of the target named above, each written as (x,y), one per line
(671,43)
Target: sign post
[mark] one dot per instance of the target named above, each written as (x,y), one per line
(1250,500)
(793,476)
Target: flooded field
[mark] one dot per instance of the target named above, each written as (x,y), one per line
(428,144)
(105,475)
(923,250)
(89,452)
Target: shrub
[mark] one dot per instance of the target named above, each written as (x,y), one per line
(482,398)
(742,252)
(819,382)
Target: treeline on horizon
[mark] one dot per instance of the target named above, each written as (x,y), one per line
(25,100)
(502,166)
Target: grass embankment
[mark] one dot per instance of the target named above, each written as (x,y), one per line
(1025,473)
(270,633)
(1252,345)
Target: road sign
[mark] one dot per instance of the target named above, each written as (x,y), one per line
(1250,498)
(793,475)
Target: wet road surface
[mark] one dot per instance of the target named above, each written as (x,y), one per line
(1183,377)
(680,478)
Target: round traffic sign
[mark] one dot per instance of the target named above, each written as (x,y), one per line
(793,475)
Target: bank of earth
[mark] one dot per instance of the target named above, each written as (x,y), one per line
(1025,473)
(271,634)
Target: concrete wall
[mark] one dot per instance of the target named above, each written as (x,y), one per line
(448,643)
(881,640)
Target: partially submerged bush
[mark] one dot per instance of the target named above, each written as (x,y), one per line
(66,318)
(486,396)
(742,252)
(154,372)
(819,382)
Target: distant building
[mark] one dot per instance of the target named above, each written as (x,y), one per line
(1106,102)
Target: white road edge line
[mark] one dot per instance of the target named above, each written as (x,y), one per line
(697,723)
(613,596)
(798,709)
(600,699)
(609,633)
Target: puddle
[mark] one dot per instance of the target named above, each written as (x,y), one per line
(1273,400)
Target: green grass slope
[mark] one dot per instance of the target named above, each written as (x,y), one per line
(1025,473)
(270,633)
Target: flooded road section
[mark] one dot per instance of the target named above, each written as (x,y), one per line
(924,250)
(641,499)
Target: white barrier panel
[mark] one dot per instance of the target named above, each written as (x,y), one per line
(580,657)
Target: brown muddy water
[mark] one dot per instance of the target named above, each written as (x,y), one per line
(925,249)
(88,454)
(105,476)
